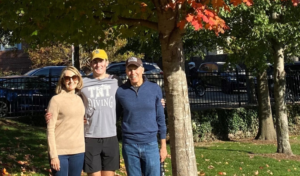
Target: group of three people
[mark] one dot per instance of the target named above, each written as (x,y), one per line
(101,99)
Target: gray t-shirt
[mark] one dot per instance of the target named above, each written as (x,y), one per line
(100,106)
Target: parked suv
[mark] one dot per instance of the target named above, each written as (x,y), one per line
(218,74)
(48,71)
(152,71)
(24,93)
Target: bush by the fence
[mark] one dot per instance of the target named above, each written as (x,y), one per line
(223,124)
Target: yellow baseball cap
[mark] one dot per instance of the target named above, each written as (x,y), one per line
(99,53)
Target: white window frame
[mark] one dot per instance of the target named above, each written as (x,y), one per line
(8,47)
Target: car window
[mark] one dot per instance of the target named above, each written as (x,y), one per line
(230,68)
(208,67)
(149,67)
(116,69)
(42,72)
(30,72)
(270,70)
(55,72)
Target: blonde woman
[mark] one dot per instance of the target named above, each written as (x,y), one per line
(65,130)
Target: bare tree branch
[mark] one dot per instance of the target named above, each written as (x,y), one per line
(131,21)
(156,5)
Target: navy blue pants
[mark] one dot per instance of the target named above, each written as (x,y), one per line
(70,165)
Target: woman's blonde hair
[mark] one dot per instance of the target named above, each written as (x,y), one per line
(61,86)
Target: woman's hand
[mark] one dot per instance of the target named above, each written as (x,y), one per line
(163,102)
(55,164)
(48,116)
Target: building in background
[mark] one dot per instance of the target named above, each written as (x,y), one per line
(13,59)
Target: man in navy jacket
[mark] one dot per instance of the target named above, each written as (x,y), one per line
(143,118)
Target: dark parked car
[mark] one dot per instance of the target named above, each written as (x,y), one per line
(292,80)
(23,94)
(152,71)
(218,74)
(53,71)
(48,71)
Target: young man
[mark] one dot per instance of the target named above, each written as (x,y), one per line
(143,118)
(98,94)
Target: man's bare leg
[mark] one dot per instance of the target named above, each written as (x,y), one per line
(95,173)
(107,173)
(102,173)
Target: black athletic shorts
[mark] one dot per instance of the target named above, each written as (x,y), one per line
(101,154)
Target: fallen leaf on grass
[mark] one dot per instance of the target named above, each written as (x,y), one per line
(269,172)
(267,165)
(256,172)
(11,157)
(241,168)
(261,167)
(211,167)
(23,169)
(201,173)
(207,159)
(4,172)
(23,162)
(222,173)
(289,170)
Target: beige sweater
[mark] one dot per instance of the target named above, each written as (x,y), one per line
(65,131)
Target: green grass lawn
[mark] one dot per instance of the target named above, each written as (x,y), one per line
(23,150)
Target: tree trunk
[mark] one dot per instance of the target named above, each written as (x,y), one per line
(283,144)
(178,107)
(266,130)
(76,57)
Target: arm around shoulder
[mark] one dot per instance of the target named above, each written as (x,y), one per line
(53,108)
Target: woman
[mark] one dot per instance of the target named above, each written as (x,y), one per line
(65,129)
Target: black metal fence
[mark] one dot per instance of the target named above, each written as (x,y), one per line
(23,95)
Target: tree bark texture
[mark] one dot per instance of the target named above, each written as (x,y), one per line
(266,130)
(283,144)
(178,107)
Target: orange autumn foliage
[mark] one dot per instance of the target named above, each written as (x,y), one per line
(205,13)
(4,172)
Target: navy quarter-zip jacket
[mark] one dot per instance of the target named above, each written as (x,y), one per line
(143,113)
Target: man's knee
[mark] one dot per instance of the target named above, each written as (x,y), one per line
(107,173)
(95,173)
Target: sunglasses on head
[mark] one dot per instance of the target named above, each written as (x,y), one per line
(68,78)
